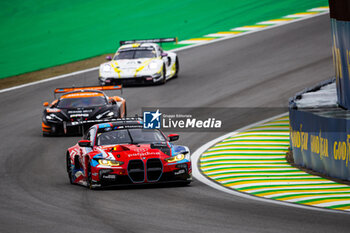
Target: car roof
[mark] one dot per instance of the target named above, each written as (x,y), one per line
(121,122)
(138,45)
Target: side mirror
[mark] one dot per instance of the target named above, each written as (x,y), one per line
(164,54)
(46,104)
(109,58)
(84,143)
(173,137)
(112,101)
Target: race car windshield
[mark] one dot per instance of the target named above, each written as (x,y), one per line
(134,54)
(81,102)
(129,136)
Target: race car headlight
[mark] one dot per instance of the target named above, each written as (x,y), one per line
(106,68)
(53,117)
(107,162)
(105,114)
(175,158)
(153,65)
(110,114)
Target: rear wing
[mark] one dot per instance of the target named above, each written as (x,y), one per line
(162,40)
(95,88)
(121,120)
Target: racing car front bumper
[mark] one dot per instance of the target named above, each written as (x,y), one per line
(180,172)
(147,79)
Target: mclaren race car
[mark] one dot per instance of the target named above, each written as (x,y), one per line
(79,108)
(140,62)
(122,153)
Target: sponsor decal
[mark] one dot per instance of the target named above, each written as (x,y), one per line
(79,115)
(182,171)
(109,176)
(79,111)
(144,154)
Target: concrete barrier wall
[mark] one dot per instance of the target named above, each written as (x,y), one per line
(321,143)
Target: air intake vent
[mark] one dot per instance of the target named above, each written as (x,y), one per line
(154,169)
(136,170)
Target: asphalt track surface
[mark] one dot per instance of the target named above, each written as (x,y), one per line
(260,69)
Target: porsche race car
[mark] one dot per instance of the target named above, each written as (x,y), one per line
(79,108)
(122,153)
(140,62)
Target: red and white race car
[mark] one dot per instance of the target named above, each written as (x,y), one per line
(123,152)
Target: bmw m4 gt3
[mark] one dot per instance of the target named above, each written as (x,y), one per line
(122,153)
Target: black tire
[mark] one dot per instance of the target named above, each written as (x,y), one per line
(163,80)
(177,67)
(69,169)
(89,178)
(186,183)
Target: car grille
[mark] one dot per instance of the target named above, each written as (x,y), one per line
(136,170)
(154,169)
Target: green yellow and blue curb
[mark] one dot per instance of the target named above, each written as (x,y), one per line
(252,162)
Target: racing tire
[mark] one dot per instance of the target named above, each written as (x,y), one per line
(69,169)
(46,134)
(89,178)
(177,67)
(186,183)
(163,80)
(101,83)
(125,112)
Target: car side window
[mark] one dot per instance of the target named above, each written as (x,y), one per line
(160,51)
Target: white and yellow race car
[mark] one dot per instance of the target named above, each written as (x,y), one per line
(140,62)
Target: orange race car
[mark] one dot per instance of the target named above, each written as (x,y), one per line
(81,107)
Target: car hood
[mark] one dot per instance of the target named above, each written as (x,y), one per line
(131,63)
(131,151)
(77,114)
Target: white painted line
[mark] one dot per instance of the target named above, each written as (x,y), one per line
(258,132)
(217,35)
(174,50)
(305,187)
(202,178)
(320,9)
(262,177)
(274,22)
(279,183)
(317,197)
(266,173)
(333,203)
(306,193)
(256,138)
(248,28)
(300,15)
(49,79)
(289,178)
